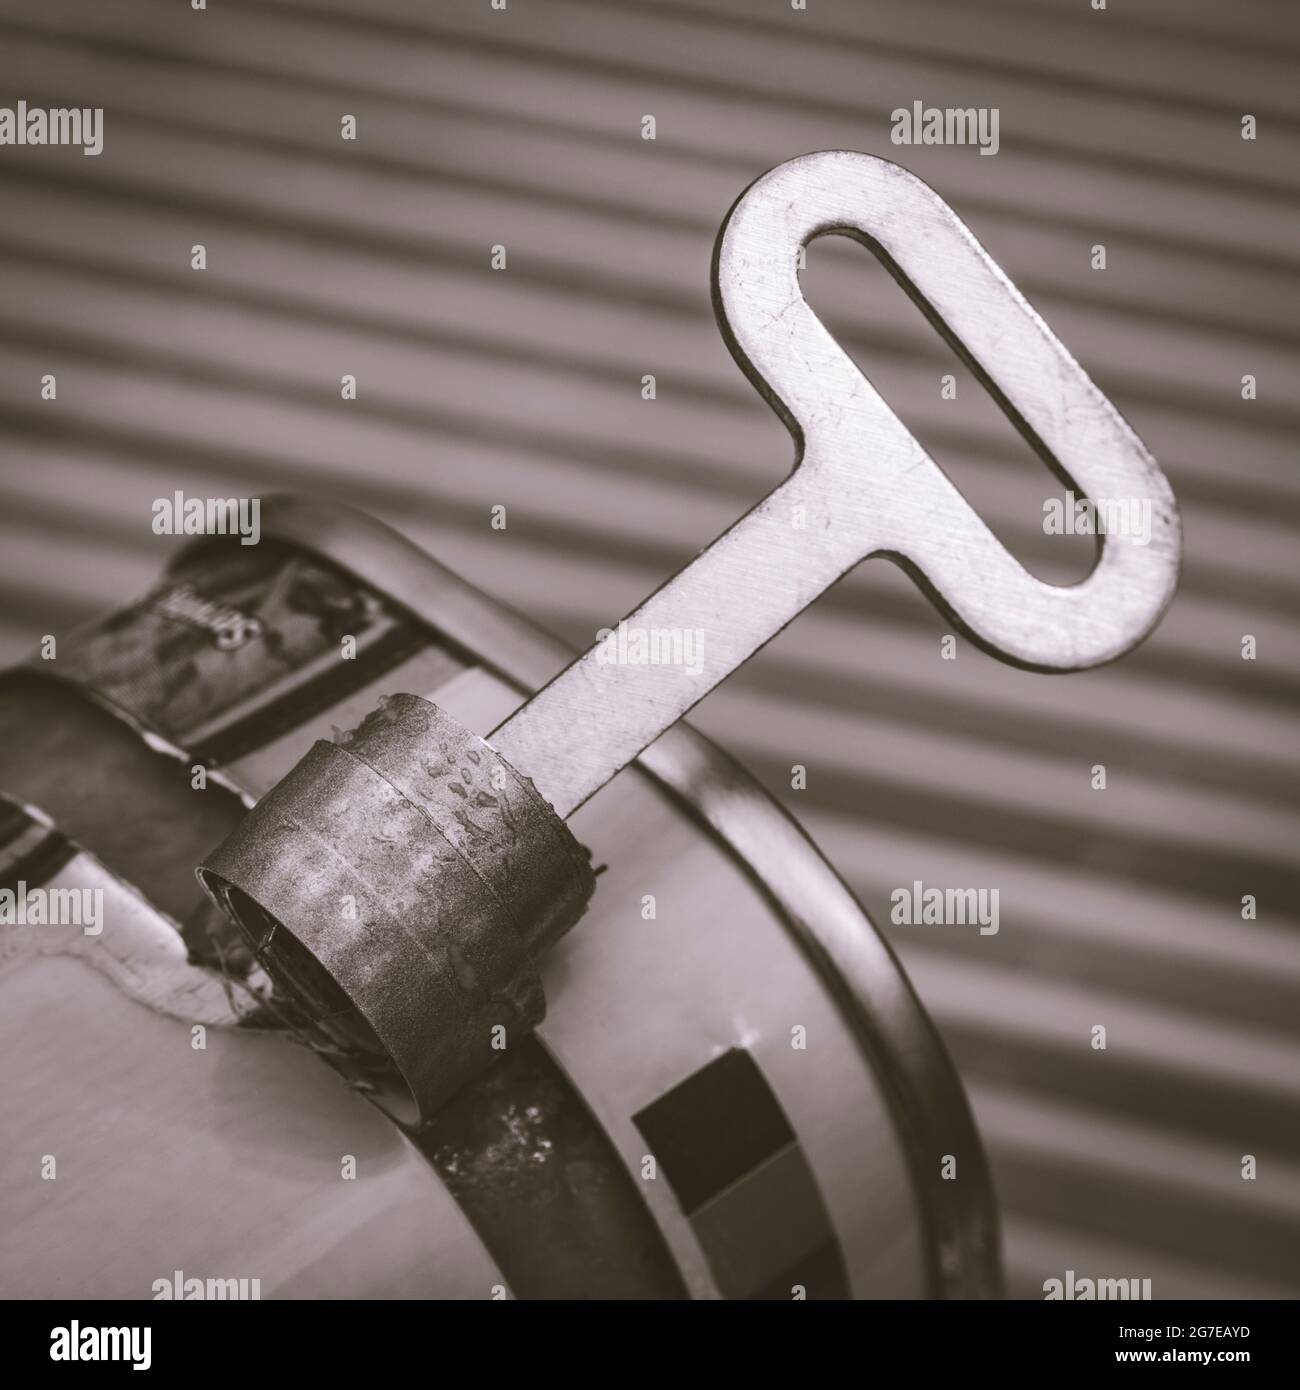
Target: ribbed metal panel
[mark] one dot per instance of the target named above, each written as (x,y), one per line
(476,387)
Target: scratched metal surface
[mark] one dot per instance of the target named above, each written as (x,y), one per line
(522,387)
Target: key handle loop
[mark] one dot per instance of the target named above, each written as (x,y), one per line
(862,484)
(862,472)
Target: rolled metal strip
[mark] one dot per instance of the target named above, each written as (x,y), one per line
(388,911)
(492,814)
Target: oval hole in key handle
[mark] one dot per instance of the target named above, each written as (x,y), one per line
(865,485)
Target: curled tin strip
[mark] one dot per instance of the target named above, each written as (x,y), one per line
(399,915)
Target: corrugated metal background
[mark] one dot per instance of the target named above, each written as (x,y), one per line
(476,387)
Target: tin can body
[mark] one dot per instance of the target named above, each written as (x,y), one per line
(733,1093)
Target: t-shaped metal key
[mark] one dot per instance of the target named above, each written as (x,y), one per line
(401,882)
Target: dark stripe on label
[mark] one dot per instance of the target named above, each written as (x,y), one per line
(305,701)
(30,852)
(731,1156)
